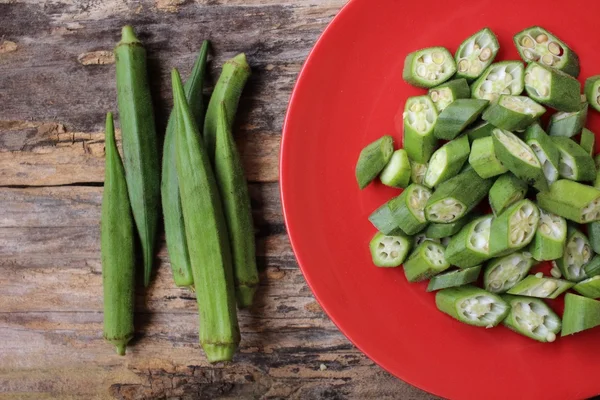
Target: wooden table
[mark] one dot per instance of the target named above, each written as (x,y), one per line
(56,83)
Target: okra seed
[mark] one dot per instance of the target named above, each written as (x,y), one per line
(475,68)
(438,58)
(421,70)
(485,54)
(555,48)
(476,46)
(550,286)
(539,275)
(529,55)
(541,38)
(555,272)
(527,42)
(394,254)
(435,96)
(548,59)
(463,65)
(550,337)
(431,76)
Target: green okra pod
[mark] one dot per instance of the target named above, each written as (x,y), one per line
(593,229)
(440,231)
(597,180)
(417,172)
(572,200)
(506,190)
(483,158)
(472,305)
(568,124)
(479,130)
(589,287)
(372,160)
(588,142)
(389,250)
(426,261)
(502,274)
(575,163)
(447,92)
(580,314)
(550,237)
(470,247)
(514,228)
(592,91)
(476,53)
(500,78)
(447,161)
(545,150)
(541,287)
(422,237)
(592,268)
(454,278)
(457,116)
(513,113)
(420,117)
(404,211)
(577,254)
(428,67)
(397,171)
(532,318)
(552,87)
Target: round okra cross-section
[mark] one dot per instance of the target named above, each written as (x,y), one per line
(472,305)
(503,273)
(428,67)
(514,228)
(545,150)
(541,286)
(470,247)
(592,91)
(388,250)
(552,87)
(476,53)
(447,92)
(420,117)
(499,78)
(577,254)
(513,113)
(550,237)
(532,318)
(571,200)
(426,261)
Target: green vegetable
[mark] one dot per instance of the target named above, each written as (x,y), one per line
(550,237)
(476,53)
(568,124)
(440,231)
(592,91)
(514,228)
(593,229)
(572,200)
(140,148)
(447,161)
(597,180)
(552,87)
(532,318)
(404,212)
(457,116)
(470,247)
(500,78)
(418,172)
(588,141)
(426,261)
(428,67)
(575,163)
(373,159)
(420,118)
(479,130)
(389,250)
(593,267)
(589,287)
(577,254)
(397,171)
(472,305)
(454,278)
(118,249)
(513,113)
(446,93)
(545,150)
(422,237)
(580,314)
(542,287)
(501,274)
(506,190)
(483,158)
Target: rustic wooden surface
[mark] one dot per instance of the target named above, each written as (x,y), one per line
(56,83)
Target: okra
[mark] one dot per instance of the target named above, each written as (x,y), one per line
(388,250)
(568,124)
(426,261)
(171,202)
(538,44)
(580,314)
(456,197)
(552,87)
(440,231)
(470,247)
(593,229)
(483,158)
(592,91)
(447,161)
(140,149)
(397,171)
(506,190)
(532,318)
(588,141)
(550,237)
(502,78)
(404,211)
(206,227)
(420,118)
(472,305)
(575,163)
(545,150)
(479,130)
(593,267)
(117,247)
(454,278)
(513,113)
(577,254)
(502,274)
(519,158)
(422,237)
(476,53)
(428,67)
(457,116)
(542,287)
(418,171)
(372,160)
(589,287)
(514,228)
(572,200)
(597,180)
(446,93)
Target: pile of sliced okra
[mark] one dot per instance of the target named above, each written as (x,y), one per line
(543,186)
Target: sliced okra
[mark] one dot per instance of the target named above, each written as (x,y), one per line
(456,197)
(447,92)
(514,228)
(519,158)
(575,163)
(545,150)
(397,171)
(388,250)
(454,278)
(513,113)
(572,200)
(589,287)
(428,67)
(597,180)
(593,267)
(476,53)
(422,237)
(426,261)
(440,231)
(550,237)
(552,87)
(503,273)
(577,254)
(373,158)
(580,314)
(593,229)
(532,318)
(447,161)
(542,287)
(506,190)
(588,141)
(420,118)
(483,158)
(592,91)
(479,130)
(472,305)
(457,116)
(568,124)
(470,247)
(500,78)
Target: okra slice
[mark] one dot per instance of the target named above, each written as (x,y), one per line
(454,278)
(577,254)
(589,287)
(447,161)
(532,318)
(440,231)
(580,314)
(593,229)
(543,287)
(418,172)
(514,228)
(588,142)
(519,158)
(572,200)
(593,267)
(501,274)
(513,113)
(457,116)
(500,78)
(404,211)
(373,158)
(507,190)
(575,163)
(552,87)
(388,250)
(472,305)
(428,67)
(592,91)
(470,247)
(420,118)
(422,237)
(397,171)
(476,53)
(483,158)
(426,261)
(446,93)
(568,124)
(479,130)
(456,197)
(545,150)
(550,237)
(538,44)
(597,180)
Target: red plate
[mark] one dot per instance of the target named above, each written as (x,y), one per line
(349,93)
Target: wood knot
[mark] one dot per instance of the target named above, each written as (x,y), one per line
(6,46)
(100,57)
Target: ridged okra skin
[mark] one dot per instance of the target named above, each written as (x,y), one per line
(506,190)
(545,150)
(447,161)
(457,116)
(428,67)
(513,113)
(372,160)
(532,318)
(568,124)
(447,92)
(589,287)
(501,274)
(580,314)
(479,130)
(552,87)
(454,278)
(440,231)
(470,247)
(541,287)
(588,142)
(405,212)
(550,237)
(514,228)
(483,158)
(427,260)
(472,305)
(397,171)
(575,163)
(571,200)
(476,53)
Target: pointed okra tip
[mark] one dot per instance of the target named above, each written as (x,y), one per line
(128,35)
(240,60)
